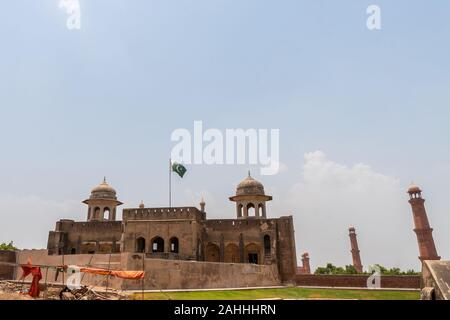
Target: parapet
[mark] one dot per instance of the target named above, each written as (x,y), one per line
(179,213)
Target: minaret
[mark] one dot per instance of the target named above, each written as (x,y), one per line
(355,250)
(306,269)
(202,205)
(427,248)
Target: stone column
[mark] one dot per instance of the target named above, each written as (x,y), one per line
(264,210)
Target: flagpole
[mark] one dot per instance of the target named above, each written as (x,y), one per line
(170,182)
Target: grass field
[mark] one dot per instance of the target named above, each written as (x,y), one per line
(283,293)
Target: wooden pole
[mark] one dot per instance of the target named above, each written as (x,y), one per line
(170,183)
(46,288)
(63,279)
(143,278)
(89,265)
(109,267)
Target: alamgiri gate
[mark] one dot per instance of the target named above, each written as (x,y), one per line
(171,247)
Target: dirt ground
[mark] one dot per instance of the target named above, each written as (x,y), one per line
(13,290)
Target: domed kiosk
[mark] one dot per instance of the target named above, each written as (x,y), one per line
(102,203)
(250,199)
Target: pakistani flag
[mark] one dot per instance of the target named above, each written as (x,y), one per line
(179,168)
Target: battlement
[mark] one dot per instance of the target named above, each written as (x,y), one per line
(237,223)
(72,226)
(187,213)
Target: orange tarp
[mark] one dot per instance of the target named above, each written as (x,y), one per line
(131,275)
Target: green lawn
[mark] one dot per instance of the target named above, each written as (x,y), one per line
(283,293)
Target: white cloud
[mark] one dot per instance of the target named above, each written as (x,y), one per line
(330,197)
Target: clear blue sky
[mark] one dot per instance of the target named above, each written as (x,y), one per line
(78,105)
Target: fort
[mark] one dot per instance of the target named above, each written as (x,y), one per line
(180,247)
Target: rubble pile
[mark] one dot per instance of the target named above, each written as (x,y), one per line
(86,293)
(15,290)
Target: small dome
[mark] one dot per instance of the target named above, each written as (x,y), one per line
(250,186)
(103,191)
(413,188)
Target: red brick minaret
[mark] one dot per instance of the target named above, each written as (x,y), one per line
(427,249)
(355,250)
(306,269)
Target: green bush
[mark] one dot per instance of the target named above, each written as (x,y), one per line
(8,247)
(330,269)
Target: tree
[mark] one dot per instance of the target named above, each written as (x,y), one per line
(396,271)
(8,247)
(330,269)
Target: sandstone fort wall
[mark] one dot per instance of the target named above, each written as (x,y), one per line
(7,272)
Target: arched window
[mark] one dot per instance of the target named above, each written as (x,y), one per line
(106,213)
(73,251)
(158,244)
(260,210)
(96,213)
(240,209)
(267,245)
(174,245)
(140,245)
(251,210)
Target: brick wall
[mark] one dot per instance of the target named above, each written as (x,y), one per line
(7,272)
(357,281)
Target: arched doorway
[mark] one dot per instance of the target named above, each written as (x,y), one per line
(232,253)
(174,245)
(140,245)
(212,253)
(158,244)
(252,253)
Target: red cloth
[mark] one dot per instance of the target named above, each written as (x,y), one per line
(37,276)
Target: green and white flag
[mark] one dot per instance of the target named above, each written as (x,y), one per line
(179,168)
